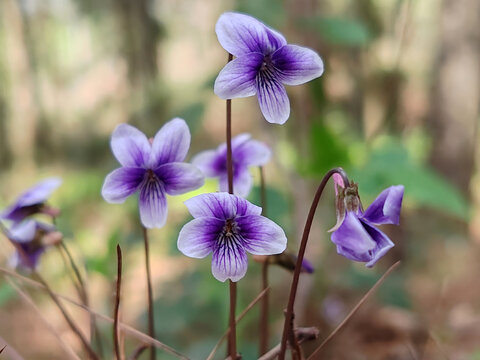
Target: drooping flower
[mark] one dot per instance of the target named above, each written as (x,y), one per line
(264,64)
(246,153)
(32,201)
(228,226)
(152,169)
(31,238)
(355,234)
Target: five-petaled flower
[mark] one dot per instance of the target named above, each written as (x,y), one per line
(153,169)
(228,226)
(264,64)
(32,201)
(246,152)
(355,234)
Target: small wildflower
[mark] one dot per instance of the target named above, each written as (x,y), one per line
(228,226)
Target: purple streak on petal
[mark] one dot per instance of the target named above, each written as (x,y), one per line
(199,236)
(386,207)
(179,178)
(252,153)
(221,206)
(383,244)
(261,235)
(171,143)
(296,65)
(153,204)
(237,78)
(352,235)
(130,146)
(207,162)
(241,34)
(229,260)
(121,183)
(272,98)
(353,255)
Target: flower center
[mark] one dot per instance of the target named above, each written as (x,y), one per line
(229,228)
(266,64)
(150,176)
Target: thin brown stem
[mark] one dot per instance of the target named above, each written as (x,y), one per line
(151,317)
(264,306)
(301,253)
(117,304)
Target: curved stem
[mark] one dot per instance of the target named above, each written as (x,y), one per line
(151,317)
(116,340)
(301,252)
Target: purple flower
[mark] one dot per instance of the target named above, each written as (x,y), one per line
(264,64)
(355,234)
(228,226)
(152,169)
(31,239)
(246,152)
(33,201)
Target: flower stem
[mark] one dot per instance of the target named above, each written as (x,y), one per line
(151,323)
(117,305)
(264,334)
(287,328)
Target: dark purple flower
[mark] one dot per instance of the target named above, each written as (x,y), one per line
(264,64)
(246,153)
(31,239)
(152,169)
(33,201)
(355,234)
(228,226)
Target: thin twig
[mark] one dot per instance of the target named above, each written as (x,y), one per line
(151,316)
(301,334)
(10,351)
(263,326)
(116,342)
(354,310)
(139,351)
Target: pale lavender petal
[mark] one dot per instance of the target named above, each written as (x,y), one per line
(23,232)
(171,143)
(199,236)
(352,235)
(179,178)
(229,260)
(153,204)
(208,162)
(261,235)
(296,65)
(386,207)
(237,141)
(273,99)
(252,153)
(130,146)
(221,206)
(383,244)
(121,183)
(242,181)
(241,34)
(237,78)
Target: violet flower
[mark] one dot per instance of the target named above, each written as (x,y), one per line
(152,169)
(246,153)
(31,238)
(228,226)
(264,64)
(355,234)
(32,201)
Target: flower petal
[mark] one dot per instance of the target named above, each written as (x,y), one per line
(242,181)
(199,236)
(229,260)
(237,78)
(23,232)
(221,206)
(171,143)
(130,146)
(383,244)
(153,204)
(352,235)
(386,207)
(296,64)
(208,161)
(121,183)
(241,34)
(273,99)
(179,178)
(261,235)
(252,153)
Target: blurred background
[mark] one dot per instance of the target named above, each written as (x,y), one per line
(398,104)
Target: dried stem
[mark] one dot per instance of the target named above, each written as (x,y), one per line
(301,334)
(263,326)
(301,254)
(116,341)
(151,317)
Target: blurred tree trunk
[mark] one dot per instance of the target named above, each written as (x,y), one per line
(455,100)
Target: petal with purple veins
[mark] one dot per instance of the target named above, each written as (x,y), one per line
(252,153)
(121,183)
(383,244)
(353,236)
(130,146)
(385,209)
(198,237)
(220,205)
(272,98)
(229,260)
(208,162)
(242,181)
(179,178)
(152,204)
(261,235)
(171,143)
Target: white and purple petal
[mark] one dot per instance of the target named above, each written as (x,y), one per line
(130,146)
(153,204)
(252,153)
(170,144)
(121,183)
(296,65)
(210,162)
(272,98)
(198,237)
(242,181)
(229,260)
(352,235)
(237,78)
(261,235)
(179,178)
(385,209)
(383,244)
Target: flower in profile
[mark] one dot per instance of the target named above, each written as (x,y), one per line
(246,153)
(152,169)
(31,238)
(264,64)
(355,234)
(32,201)
(228,226)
